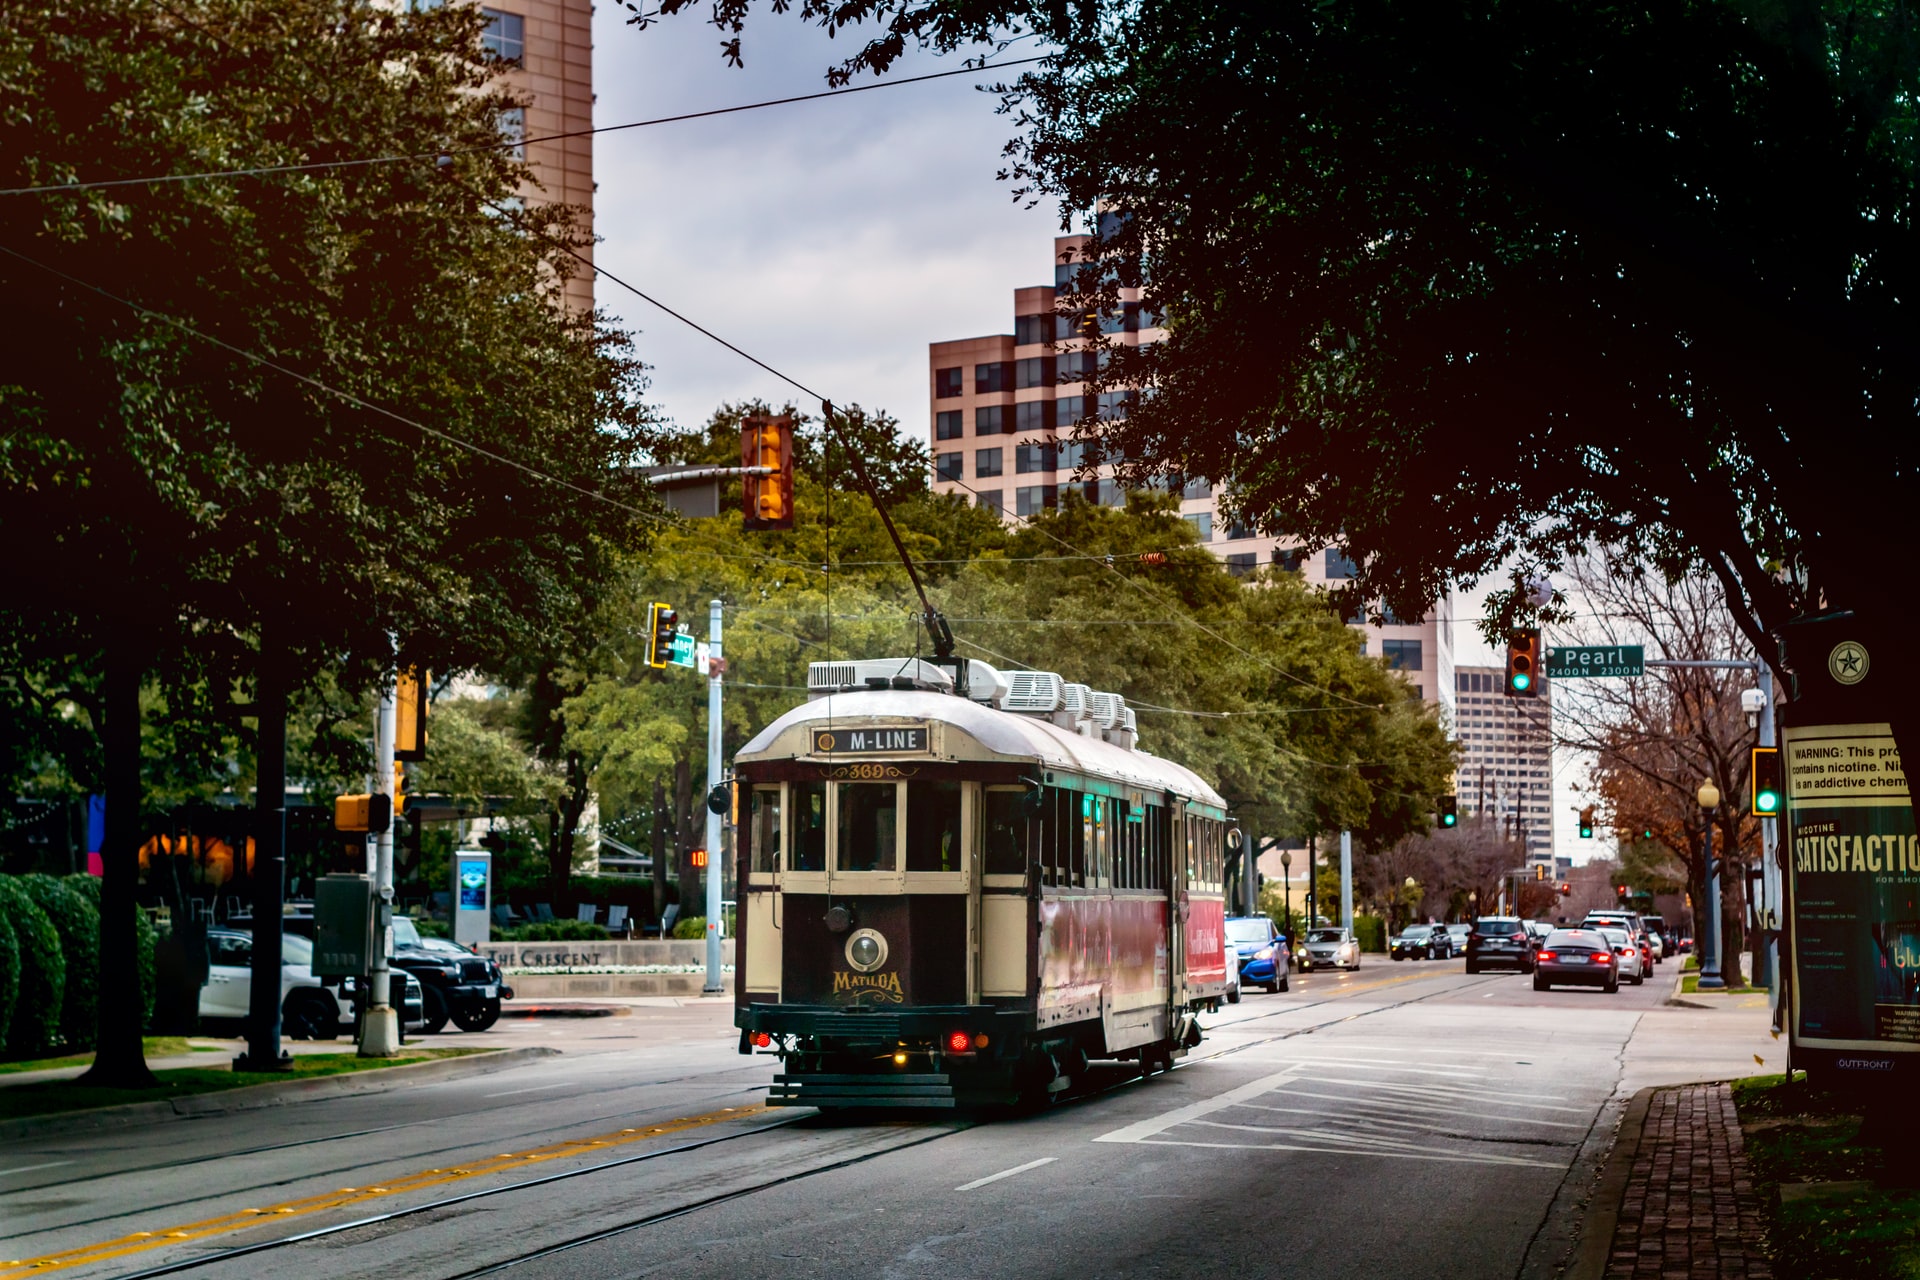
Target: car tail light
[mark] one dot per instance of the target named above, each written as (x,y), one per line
(1547,956)
(1520,937)
(959,1042)
(1601,957)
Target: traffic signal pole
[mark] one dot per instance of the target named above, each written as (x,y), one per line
(379,1027)
(716,775)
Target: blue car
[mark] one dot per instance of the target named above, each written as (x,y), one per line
(1265,960)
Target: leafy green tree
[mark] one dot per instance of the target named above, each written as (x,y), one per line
(182,488)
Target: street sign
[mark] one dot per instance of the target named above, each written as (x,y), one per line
(682,652)
(1596,660)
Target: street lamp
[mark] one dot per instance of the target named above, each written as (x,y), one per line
(1286,891)
(1710,979)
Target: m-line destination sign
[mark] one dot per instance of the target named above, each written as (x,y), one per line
(869,742)
(1597,660)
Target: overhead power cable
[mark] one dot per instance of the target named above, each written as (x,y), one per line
(435,157)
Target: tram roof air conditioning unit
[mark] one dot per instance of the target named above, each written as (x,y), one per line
(986,684)
(1124,735)
(1033,692)
(866,674)
(1073,711)
(1104,708)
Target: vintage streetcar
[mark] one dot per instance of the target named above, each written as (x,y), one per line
(958,897)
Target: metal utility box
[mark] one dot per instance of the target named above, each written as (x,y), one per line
(342,926)
(472,896)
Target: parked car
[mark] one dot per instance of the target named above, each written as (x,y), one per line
(1500,940)
(1576,958)
(310,1008)
(459,985)
(1233,975)
(1265,959)
(1415,942)
(1330,949)
(1633,961)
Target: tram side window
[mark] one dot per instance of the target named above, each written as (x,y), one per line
(809,828)
(933,826)
(1003,822)
(765,832)
(869,821)
(1157,847)
(1079,847)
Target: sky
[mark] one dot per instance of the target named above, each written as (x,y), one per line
(833,240)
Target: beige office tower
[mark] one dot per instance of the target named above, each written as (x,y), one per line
(548,45)
(1506,768)
(1002,415)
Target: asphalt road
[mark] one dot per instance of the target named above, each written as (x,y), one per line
(1404,1118)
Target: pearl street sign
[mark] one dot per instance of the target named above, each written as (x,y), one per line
(1596,660)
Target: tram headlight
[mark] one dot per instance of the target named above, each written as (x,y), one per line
(867,950)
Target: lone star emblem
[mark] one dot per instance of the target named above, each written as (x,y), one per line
(1848,663)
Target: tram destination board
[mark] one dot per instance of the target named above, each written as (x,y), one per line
(1596,660)
(869,742)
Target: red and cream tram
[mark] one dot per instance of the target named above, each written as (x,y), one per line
(958,899)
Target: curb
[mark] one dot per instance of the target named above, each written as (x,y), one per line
(273,1093)
(1673,996)
(1596,1233)
(565,1011)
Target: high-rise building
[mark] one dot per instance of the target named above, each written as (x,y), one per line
(548,46)
(1506,769)
(1003,408)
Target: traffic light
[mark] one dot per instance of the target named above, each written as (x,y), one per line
(1523,662)
(766,452)
(362,813)
(1622,891)
(1449,811)
(662,625)
(1539,871)
(410,715)
(1586,823)
(1768,793)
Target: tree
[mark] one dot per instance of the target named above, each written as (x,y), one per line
(256,425)
(1453,286)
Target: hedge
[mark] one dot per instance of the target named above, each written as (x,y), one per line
(691,929)
(551,931)
(145,936)
(34,1028)
(78,924)
(1371,933)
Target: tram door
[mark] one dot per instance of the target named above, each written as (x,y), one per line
(1178,843)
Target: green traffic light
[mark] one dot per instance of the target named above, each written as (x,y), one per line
(1447,820)
(1522,680)
(1767,802)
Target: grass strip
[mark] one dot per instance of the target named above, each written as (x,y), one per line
(1831,1204)
(53,1096)
(1691,984)
(152,1046)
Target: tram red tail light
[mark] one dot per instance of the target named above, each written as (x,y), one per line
(959,1042)
(761,1039)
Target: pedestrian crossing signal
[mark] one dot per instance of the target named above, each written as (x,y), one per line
(1523,662)
(1768,792)
(1449,811)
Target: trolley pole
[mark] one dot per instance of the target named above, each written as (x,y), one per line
(716,774)
(379,1026)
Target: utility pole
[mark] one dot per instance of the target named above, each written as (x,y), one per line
(1346,881)
(379,1027)
(716,775)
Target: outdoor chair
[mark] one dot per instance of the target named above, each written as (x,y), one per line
(665,926)
(617,921)
(587,914)
(440,904)
(503,917)
(543,913)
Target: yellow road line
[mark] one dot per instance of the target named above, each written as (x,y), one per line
(1344,982)
(346,1197)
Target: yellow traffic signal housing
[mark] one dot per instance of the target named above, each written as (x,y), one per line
(410,715)
(1523,663)
(766,454)
(362,813)
(663,623)
(1769,790)
(1539,871)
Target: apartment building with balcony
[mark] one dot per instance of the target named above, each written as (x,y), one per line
(1002,411)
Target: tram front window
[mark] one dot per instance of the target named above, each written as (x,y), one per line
(1004,817)
(933,826)
(869,817)
(809,827)
(766,828)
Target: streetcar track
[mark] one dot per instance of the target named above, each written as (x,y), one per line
(269,1148)
(1071,1097)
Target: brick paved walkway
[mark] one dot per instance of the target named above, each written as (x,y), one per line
(1689,1212)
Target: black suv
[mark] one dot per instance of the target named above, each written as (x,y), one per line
(456,983)
(1500,940)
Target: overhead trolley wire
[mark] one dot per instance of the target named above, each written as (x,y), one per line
(435,157)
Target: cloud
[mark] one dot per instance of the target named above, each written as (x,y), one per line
(834,240)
